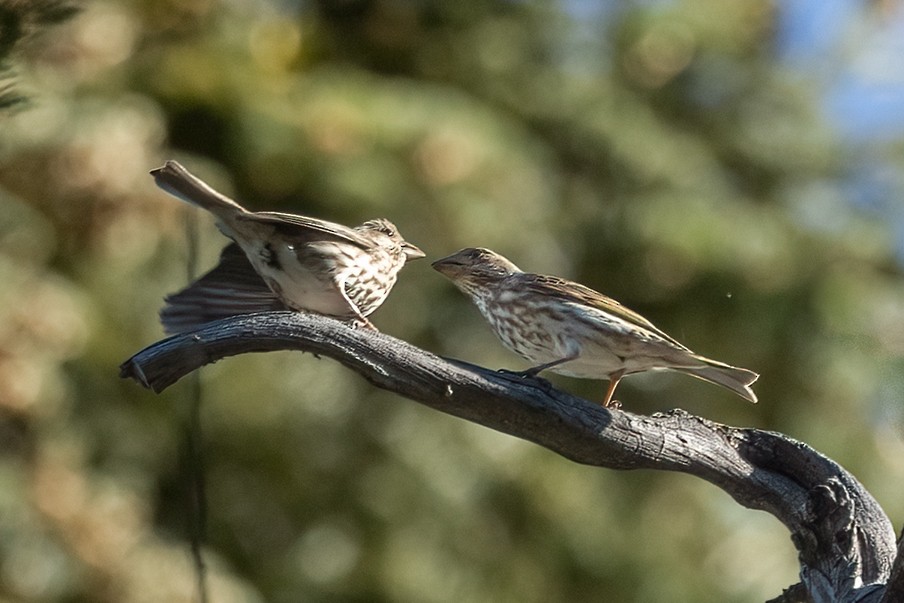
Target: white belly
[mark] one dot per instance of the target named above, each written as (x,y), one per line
(299,286)
(542,340)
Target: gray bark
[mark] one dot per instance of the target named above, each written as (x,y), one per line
(845,541)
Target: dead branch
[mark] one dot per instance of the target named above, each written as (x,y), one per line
(845,541)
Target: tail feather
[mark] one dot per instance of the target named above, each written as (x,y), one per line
(179,182)
(737,380)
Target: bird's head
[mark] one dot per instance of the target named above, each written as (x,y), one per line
(474,268)
(389,229)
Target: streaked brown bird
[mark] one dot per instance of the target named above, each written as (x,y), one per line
(573,330)
(283,261)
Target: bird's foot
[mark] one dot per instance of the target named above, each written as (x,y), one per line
(613,405)
(363,323)
(540,382)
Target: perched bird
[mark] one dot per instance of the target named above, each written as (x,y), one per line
(573,330)
(283,261)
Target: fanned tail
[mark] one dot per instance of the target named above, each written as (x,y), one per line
(182,184)
(736,379)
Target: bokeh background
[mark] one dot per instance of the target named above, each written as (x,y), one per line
(732,170)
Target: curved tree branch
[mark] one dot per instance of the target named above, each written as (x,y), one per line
(845,541)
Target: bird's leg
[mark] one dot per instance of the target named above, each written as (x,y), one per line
(614,378)
(544,384)
(534,371)
(359,318)
(361,321)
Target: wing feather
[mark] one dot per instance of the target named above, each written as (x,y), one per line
(559,288)
(232,287)
(302,227)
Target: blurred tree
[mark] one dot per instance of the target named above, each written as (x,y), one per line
(21,22)
(657,151)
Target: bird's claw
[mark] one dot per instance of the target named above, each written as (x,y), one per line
(358,323)
(540,382)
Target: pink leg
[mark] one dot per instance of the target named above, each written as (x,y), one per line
(614,378)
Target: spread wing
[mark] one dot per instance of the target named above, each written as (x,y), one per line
(232,287)
(553,286)
(304,228)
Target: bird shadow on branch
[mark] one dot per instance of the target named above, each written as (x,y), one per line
(845,541)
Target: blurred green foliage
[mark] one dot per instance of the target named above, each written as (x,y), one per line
(656,151)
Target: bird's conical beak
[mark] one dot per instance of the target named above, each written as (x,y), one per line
(411,252)
(447,265)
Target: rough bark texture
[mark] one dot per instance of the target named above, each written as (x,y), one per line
(845,541)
